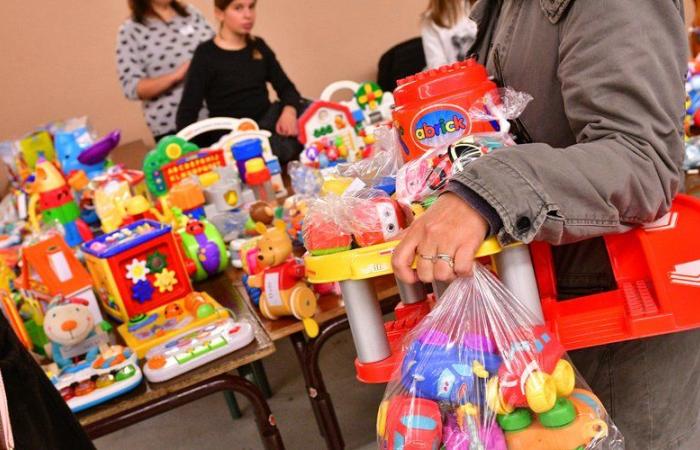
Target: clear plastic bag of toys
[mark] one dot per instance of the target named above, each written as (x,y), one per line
(478,373)
(428,175)
(306,181)
(692,154)
(500,106)
(367,217)
(384,162)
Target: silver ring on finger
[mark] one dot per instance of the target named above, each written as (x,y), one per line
(447,258)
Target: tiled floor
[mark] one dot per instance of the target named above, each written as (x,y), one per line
(206,424)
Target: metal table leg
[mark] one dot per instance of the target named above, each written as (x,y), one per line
(265,421)
(308,354)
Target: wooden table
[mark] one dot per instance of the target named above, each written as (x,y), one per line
(332,319)
(151,399)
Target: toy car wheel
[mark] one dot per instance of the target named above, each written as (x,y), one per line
(540,391)
(564,377)
(561,415)
(494,399)
(264,308)
(303,302)
(519,419)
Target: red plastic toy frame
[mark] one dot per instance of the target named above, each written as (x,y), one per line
(653,296)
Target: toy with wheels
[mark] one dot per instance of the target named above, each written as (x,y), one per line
(407,423)
(533,374)
(281,279)
(573,423)
(436,369)
(203,244)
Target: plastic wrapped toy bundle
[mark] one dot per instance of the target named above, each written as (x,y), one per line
(427,176)
(384,162)
(367,217)
(306,181)
(479,373)
(692,154)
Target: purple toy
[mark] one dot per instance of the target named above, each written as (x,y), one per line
(99,151)
(454,438)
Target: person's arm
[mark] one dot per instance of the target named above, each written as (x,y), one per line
(194,90)
(285,89)
(130,67)
(622,83)
(148,88)
(432,46)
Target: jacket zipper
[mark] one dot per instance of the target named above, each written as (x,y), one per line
(7,441)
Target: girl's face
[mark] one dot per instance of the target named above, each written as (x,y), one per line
(238,17)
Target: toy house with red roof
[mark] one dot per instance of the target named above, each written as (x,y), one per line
(331,121)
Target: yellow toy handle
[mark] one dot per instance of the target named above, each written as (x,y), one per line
(311,327)
(31,210)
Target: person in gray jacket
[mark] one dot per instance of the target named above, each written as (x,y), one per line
(601,151)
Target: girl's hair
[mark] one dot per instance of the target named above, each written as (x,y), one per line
(445,13)
(141,8)
(222,4)
(249,39)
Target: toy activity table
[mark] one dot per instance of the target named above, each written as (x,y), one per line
(151,399)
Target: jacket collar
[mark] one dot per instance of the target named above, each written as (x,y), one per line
(554,9)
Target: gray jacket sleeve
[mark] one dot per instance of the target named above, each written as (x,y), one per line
(130,65)
(622,72)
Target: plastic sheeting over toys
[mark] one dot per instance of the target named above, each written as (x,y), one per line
(367,217)
(478,373)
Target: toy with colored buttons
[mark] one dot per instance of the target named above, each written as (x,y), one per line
(148,330)
(175,159)
(195,348)
(112,374)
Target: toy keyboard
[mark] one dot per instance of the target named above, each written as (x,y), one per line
(145,331)
(103,380)
(196,348)
(192,164)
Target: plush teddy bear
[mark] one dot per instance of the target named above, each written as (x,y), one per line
(75,340)
(281,279)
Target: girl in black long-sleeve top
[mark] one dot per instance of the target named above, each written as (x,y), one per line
(231,72)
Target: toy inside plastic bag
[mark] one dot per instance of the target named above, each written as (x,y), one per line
(478,373)
(384,162)
(305,180)
(692,154)
(499,106)
(428,175)
(368,217)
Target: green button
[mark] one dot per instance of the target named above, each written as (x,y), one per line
(125,373)
(183,358)
(205,310)
(217,342)
(517,420)
(200,350)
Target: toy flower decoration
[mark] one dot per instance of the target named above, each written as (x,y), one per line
(165,280)
(142,291)
(137,270)
(156,262)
